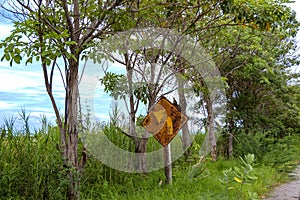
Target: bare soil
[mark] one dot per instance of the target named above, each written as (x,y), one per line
(287,191)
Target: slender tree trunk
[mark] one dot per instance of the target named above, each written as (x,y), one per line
(69,142)
(230,137)
(72,124)
(230,145)
(230,126)
(140,143)
(186,140)
(141,154)
(211,133)
(71,147)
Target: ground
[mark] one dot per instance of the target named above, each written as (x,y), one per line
(288,191)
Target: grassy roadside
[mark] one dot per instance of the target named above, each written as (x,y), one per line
(31,168)
(212,183)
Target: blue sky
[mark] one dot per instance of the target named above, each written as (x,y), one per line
(23,87)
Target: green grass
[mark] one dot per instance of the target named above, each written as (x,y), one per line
(205,186)
(31,168)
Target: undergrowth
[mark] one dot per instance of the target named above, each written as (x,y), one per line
(31,167)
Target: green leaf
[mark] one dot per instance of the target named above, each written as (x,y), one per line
(7,57)
(252,177)
(29,60)
(48,62)
(17,59)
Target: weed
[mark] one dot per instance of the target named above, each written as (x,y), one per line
(31,167)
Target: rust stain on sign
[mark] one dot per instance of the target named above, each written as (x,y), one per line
(164,121)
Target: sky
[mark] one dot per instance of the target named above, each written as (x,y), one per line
(22,87)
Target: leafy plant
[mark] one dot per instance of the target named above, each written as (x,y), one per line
(199,170)
(243,174)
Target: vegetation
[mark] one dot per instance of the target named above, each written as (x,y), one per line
(31,168)
(252,44)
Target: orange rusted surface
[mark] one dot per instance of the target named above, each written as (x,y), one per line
(164,121)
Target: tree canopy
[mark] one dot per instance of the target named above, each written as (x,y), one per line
(252,44)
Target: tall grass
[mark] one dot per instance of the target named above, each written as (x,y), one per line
(31,167)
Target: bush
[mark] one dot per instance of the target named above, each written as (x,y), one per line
(31,166)
(283,154)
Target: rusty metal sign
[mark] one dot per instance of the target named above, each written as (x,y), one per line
(164,120)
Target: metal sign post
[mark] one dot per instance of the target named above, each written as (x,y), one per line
(164,120)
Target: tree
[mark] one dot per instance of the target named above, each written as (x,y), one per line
(179,16)
(204,20)
(49,31)
(148,76)
(254,59)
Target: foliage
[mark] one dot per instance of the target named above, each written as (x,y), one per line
(251,42)
(268,149)
(113,84)
(283,154)
(49,32)
(255,58)
(242,174)
(117,87)
(263,14)
(31,168)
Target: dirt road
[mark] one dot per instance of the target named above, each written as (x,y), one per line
(288,191)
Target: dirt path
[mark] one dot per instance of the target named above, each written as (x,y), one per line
(288,191)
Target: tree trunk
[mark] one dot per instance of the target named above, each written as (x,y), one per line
(186,140)
(230,145)
(141,148)
(72,124)
(230,126)
(140,143)
(211,132)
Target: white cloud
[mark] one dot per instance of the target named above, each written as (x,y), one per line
(102,117)
(17,79)
(296,7)
(5,105)
(5,30)
(39,114)
(22,80)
